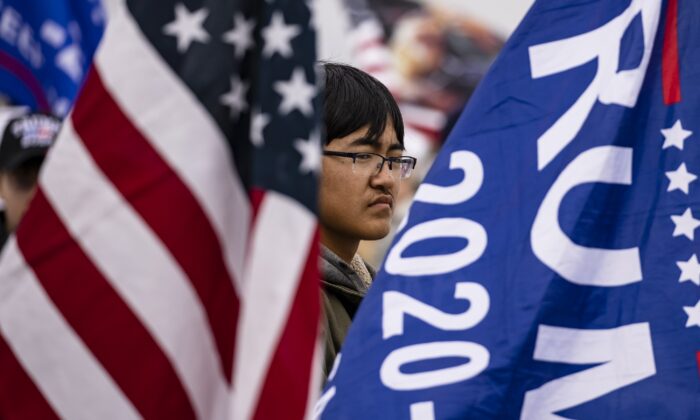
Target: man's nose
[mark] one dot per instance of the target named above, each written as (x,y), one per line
(384,177)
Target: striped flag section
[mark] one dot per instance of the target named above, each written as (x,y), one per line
(164,269)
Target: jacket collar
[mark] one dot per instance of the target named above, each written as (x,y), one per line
(338,274)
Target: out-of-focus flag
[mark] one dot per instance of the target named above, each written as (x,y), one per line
(167,266)
(46,49)
(429,56)
(548,268)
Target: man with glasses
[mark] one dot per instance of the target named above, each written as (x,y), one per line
(363,167)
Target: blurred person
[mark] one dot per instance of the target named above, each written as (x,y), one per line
(363,168)
(430,56)
(418,44)
(25,141)
(439,58)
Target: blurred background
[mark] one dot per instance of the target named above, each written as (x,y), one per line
(431,54)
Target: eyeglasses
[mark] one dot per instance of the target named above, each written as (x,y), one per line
(372,163)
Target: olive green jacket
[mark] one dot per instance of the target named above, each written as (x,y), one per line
(343,290)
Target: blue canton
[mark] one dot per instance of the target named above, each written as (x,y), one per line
(259,84)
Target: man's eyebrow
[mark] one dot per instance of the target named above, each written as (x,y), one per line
(396,146)
(366,141)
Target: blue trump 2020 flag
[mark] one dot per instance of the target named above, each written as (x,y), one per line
(548,267)
(46,47)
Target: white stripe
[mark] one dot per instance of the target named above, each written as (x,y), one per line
(139,268)
(421,116)
(58,362)
(314,388)
(373,57)
(389,78)
(185,135)
(280,244)
(369,30)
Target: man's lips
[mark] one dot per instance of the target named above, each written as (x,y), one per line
(385,199)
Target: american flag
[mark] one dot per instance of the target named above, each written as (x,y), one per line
(167,266)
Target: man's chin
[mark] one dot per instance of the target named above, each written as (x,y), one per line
(376,233)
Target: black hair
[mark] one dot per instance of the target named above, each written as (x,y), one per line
(354,99)
(24,176)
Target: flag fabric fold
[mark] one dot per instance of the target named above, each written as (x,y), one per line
(547,268)
(167,266)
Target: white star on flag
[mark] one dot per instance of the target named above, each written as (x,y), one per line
(313,10)
(187,27)
(278,36)
(310,151)
(680,179)
(235,98)
(690,270)
(693,315)
(70,60)
(241,36)
(675,136)
(296,93)
(258,122)
(685,224)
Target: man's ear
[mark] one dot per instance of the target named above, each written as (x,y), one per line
(3,181)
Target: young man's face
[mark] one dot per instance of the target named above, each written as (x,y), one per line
(356,204)
(15,198)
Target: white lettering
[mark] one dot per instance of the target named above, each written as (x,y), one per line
(473,232)
(467,162)
(10,22)
(423,411)
(625,352)
(327,396)
(576,263)
(29,48)
(392,377)
(15,32)
(322,402)
(397,304)
(608,85)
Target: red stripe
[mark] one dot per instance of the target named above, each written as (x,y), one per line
(19,397)
(98,315)
(697,356)
(160,197)
(371,43)
(285,392)
(375,69)
(670,67)
(256,198)
(434,135)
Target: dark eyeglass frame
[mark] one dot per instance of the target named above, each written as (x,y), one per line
(390,159)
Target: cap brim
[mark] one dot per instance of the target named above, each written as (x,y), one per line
(24,156)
